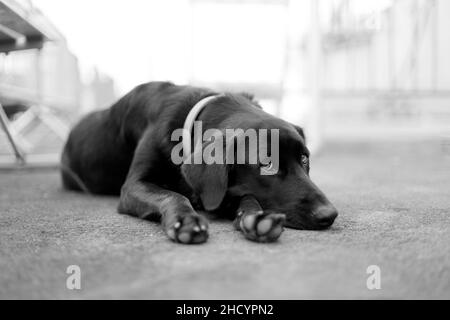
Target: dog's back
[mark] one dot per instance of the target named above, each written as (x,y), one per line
(100,147)
(95,158)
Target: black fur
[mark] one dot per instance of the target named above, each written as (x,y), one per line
(125,150)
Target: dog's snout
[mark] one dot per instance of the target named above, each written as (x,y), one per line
(324,216)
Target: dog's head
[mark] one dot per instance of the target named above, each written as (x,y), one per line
(284,187)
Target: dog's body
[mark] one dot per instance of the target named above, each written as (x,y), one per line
(126,150)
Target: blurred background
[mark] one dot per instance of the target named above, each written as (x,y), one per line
(343,69)
(369,80)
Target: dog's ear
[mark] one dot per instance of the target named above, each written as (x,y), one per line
(210,181)
(300,132)
(251,97)
(248,95)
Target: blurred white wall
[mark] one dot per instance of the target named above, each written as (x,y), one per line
(372,50)
(386,74)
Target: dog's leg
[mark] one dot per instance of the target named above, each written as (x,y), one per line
(256,224)
(144,199)
(179,220)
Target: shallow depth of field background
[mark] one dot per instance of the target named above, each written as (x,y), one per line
(344,69)
(369,80)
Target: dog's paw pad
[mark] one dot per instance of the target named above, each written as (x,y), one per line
(262,227)
(190,229)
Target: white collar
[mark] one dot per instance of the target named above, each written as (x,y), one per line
(189,122)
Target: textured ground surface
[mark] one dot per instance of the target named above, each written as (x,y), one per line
(394,202)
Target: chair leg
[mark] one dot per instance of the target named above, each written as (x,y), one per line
(5,125)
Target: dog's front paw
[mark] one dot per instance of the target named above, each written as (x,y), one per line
(189,229)
(260,226)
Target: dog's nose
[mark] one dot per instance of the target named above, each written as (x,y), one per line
(324,216)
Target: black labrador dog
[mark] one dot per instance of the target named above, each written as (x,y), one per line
(127,150)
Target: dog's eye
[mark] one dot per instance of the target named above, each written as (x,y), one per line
(305,161)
